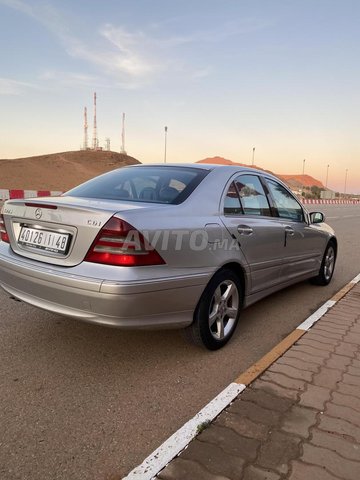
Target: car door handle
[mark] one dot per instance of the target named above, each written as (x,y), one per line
(289,231)
(245,230)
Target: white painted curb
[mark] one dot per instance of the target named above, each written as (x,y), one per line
(309,322)
(155,462)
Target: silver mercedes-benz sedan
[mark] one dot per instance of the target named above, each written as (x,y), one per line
(159,246)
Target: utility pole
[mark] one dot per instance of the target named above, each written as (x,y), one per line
(303,171)
(253,156)
(122,150)
(327,176)
(346,172)
(166,129)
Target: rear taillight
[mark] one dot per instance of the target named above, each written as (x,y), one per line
(118,243)
(3,233)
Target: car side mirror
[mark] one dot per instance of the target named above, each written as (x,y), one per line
(317,217)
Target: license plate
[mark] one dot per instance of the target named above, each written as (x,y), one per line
(44,240)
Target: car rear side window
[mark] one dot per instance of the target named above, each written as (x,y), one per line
(285,204)
(250,196)
(171,185)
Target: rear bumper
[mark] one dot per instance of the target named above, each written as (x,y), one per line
(162,302)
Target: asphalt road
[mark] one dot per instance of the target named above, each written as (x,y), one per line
(79,401)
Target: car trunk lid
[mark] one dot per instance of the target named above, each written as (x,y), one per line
(58,230)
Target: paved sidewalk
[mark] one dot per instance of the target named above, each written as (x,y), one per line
(300,420)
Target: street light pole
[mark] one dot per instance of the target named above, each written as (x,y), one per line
(303,189)
(253,156)
(166,129)
(346,172)
(327,176)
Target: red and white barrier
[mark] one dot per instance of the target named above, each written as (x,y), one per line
(12,194)
(328,202)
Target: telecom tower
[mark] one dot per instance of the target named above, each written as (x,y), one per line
(122,150)
(86,138)
(95,142)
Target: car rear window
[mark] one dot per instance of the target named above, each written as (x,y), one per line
(169,185)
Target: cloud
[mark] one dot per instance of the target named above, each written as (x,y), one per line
(9,86)
(216,34)
(17,5)
(201,73)
(130,59)
(71,78)
(134,50)
(113,51)
(120,62)
(43,13)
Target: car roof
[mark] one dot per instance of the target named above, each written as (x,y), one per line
(230,169)
(202,166)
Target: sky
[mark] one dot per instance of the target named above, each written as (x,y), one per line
(282,76)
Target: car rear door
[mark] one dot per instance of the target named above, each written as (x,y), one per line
(247,215)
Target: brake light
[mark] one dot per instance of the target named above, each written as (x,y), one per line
(120,244)
(3,233)
(41,205)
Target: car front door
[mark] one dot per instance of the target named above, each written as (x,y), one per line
(304,244)
(248,217)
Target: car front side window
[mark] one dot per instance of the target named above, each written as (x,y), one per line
(246,196)
(285,204)
(252,195)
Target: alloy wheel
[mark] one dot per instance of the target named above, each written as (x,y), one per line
(223,310)
(329,263)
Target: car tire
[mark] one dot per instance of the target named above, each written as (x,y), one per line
(218,311)
(327,266)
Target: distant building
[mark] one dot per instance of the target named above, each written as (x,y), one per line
(327,195)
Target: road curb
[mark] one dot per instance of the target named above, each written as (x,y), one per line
(267,360)
(175,444)
(264,363)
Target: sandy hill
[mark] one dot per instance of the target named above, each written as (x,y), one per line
(297,181)
(225,161)
(59,171)
(294,181)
